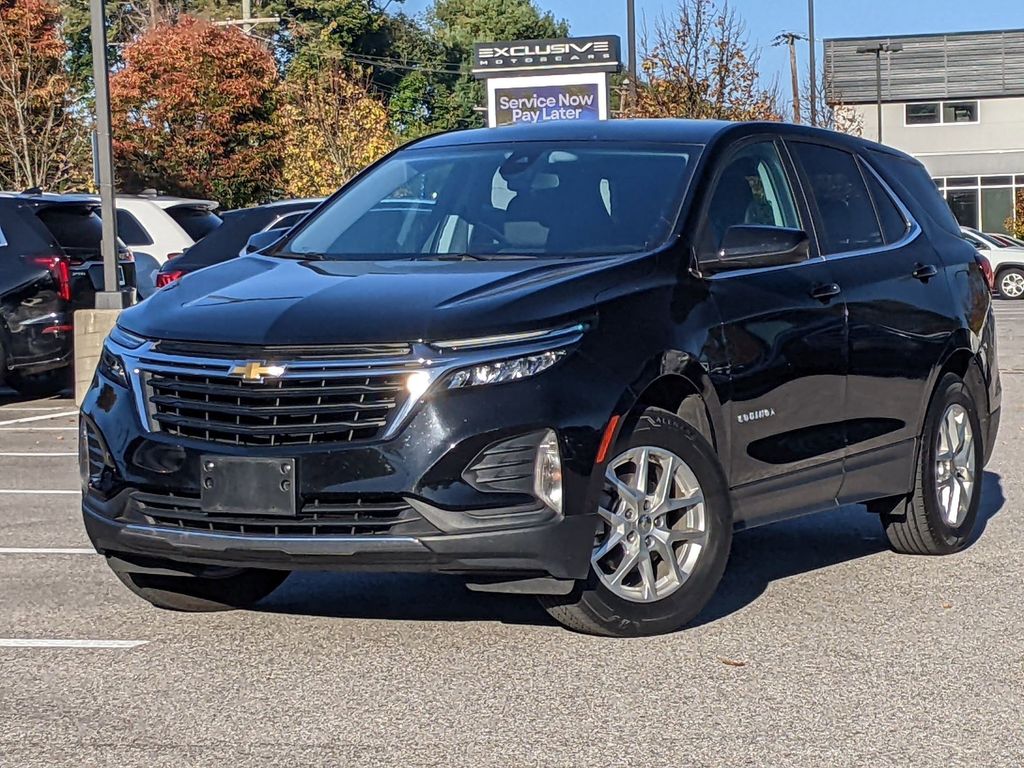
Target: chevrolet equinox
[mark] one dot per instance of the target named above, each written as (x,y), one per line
(564,360)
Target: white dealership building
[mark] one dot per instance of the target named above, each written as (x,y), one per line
(954,101)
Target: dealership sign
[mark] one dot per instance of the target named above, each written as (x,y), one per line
(539,81)
(594,54)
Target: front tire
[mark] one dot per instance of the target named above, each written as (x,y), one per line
(940,516)
(663,539)
(215,589)
(1010,283)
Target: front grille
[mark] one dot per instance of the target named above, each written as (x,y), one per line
(317,517)
(292,352)
(288,411)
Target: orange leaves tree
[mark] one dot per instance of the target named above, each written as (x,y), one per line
(1015,223)
(193,114)
(332,127)
(42,141)
(698,63)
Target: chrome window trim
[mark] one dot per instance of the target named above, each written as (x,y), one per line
(435,363)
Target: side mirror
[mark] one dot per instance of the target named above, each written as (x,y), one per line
(262,240)
(749,246)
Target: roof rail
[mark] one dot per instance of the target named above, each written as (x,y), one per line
(31,191)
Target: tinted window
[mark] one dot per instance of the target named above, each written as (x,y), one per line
(197,222)
(286,222)
(846,217)
(752,189)
(920,191)
(76,229)
(922,114)
(894,225)
(533,198)
(130,231)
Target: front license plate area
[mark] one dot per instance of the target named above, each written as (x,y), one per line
(235,485)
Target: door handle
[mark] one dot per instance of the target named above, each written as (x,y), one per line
(925,272)
(825,292)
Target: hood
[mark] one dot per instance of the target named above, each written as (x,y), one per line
(263,300)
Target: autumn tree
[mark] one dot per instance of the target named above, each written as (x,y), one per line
(699,63)
(193,114)
(332,128)
(43,143)
(832,110)
(1015,223)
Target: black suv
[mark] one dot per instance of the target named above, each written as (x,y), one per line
(561,360)
(50,265)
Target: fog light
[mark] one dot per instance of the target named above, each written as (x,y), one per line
(417,383)
(547,472)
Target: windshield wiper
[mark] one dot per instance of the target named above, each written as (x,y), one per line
(473,257)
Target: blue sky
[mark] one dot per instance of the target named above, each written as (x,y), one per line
(833,18)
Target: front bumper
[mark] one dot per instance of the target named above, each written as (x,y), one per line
(559,549)
(454,524)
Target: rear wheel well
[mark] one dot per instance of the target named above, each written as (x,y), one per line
(680,396)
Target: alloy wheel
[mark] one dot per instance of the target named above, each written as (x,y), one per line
(654,526)
(1012,285)
(955,465)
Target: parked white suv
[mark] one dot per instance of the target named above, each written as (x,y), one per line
(1007,262)
(157,227)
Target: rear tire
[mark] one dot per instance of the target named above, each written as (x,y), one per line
(45,384)
(1010,283)
(218,589)
(682,526)
(936,519)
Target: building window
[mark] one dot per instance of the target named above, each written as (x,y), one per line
(960,112)
(984,203)
(941,113)
(922,114)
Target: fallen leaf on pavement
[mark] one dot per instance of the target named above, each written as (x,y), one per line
(732,662)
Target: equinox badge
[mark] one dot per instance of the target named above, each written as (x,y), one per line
(256,371)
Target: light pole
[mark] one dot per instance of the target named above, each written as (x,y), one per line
(110,297)
(878,50)
(631,34)
(813,95)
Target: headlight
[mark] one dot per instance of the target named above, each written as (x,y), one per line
(112,367)
(547,472)
(123,338)
(505,370)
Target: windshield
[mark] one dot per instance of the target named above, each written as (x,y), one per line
(525,199)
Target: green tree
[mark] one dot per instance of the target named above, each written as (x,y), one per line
(460,23)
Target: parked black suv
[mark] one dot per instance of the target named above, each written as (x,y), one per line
(564,360)
(50,265)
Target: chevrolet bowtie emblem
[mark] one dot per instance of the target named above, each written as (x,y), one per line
(256,371)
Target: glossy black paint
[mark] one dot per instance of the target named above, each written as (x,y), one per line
(811,377)
(30,304)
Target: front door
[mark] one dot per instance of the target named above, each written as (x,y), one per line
(784,330)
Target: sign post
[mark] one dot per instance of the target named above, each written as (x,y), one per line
(538,81)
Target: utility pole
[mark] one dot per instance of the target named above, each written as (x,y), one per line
(790,38)
(110,297)
(631,34)
(878,50)
(248,21)
(813,95)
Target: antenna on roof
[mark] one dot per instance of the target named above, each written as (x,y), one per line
(150,192)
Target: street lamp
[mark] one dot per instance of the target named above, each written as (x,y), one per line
(878,50)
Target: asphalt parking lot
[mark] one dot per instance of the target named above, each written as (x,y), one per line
(821,648)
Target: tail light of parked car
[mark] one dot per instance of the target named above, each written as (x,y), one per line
(166,278)
(60,269)
(986,269)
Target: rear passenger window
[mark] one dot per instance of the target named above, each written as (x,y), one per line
(894,225)
(846,216)
(197,222)
(130,231)
(923,194)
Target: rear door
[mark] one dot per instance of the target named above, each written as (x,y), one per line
(899,308)
(785,335)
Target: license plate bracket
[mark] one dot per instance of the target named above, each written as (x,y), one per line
(241,485)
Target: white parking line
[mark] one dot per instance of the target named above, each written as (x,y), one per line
(8,408)
(27,419)
(15,642)
(28,454)
(33,491)
(47,551)
(38,429)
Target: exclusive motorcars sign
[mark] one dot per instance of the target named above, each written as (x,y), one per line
(590,54)
(537,81)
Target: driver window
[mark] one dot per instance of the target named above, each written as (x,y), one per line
(753,188)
